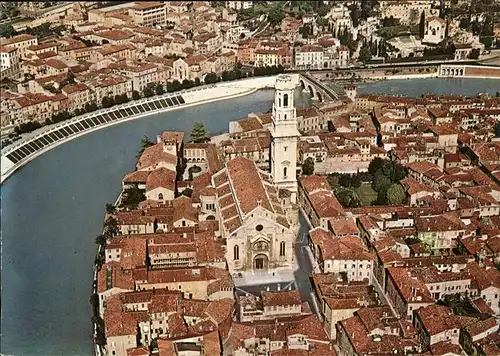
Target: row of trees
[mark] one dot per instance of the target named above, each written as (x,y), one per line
(346,38)
(108,102)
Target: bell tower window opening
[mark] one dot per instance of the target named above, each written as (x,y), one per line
(284,172)
(282,248)
(285,100)
(236,252)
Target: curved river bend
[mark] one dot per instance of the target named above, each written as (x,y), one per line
(53,207)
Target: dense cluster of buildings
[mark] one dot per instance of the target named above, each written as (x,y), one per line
(117,50)
(419,278)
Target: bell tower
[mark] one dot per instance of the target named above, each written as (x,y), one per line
(285,136)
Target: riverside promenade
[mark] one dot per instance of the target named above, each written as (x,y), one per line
(44,139)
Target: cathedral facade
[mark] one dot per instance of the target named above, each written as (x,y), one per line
(256,209)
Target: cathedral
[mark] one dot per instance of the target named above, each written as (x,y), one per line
(257,210)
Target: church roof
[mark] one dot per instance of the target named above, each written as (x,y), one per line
(241,187)
(247,185)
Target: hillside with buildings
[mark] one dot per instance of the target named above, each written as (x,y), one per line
(67,59)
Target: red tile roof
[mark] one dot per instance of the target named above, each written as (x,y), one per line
(247,184)
(154,155)
(161,178)
(270,299)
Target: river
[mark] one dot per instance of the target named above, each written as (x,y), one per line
(439,86)
(52,209)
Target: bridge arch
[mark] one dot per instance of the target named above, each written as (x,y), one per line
(319,96)
(303,86)
(311,90)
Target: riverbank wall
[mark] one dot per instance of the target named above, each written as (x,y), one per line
(191,97)
(469,71)
(400,76)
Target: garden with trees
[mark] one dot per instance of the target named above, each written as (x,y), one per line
(131,197)
(379,186)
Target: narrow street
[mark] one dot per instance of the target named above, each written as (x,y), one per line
(304,271)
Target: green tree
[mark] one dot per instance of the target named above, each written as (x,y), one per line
(6,30)
(275,15)
(421,26)
(474,54)
(199,133)
(110,227)
(355,15)
(159,89)
(308,166)
(375,165)
(175,85)
(145,143)
(322,10)
(347,198)
(356,181)
(107,102)
(187,84)
(187,192)
(413,16)
(100,240)
(136,95)
(322,22)
(306,30)
(497,129)
(365,54)
(131,197)
(382,195)
(345,180)
(110,208)
(395,194)
(380,181)
(121,99)
(211,78)
(465,22)
(487,41)
(393,170)
(148,91)
(197,82)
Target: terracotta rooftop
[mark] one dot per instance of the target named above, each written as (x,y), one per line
(270,299)
(153,155)
(161,178)
(247,185)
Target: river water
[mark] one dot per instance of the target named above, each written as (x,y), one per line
(52,209)
(440,86)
